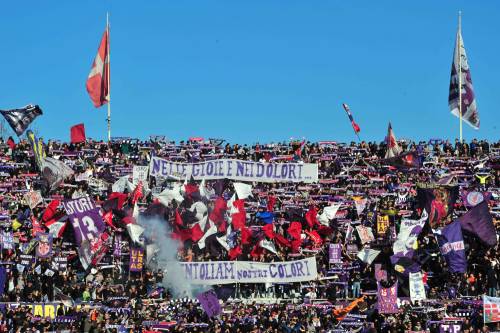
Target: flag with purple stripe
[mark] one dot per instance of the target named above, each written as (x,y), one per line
(468,100)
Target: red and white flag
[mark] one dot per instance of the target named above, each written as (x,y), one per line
(56,228)
(392,144)
(98,80)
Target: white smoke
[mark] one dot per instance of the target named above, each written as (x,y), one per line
(157,231)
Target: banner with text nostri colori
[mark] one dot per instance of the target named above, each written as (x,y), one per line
(236,170)
(223,272)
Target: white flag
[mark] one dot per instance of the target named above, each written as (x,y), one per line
(55,172)
(417,290)
(121,184)
(135,212)
(212,230)
(360,205)
(135,231)
(167,195)
(243,190)
(204,191)
(268,245)
(328,214)
(223,240)
(55,228)
(368,255)
(200,208)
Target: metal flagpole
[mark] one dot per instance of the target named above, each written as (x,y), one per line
(109,80)
(459,45)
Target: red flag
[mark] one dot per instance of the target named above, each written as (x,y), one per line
(196,233)
(217,214)
(269,230)
(78,133)
(296,243)
(222,227)
(271,201)
(181,234)
(295,229)
(311,216)
(178,218)
(50,211)
(246,235)
(235,252)
(11,143)
(108,218)
(315,237)
(138,192)
(282,240)
(115,200)
(238,219)
(256,251)
(98,80)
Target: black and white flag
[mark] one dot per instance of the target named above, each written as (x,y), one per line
(20,119)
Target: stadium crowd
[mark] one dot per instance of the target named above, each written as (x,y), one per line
(45,286)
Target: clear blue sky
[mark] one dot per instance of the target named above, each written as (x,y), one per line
(250,71)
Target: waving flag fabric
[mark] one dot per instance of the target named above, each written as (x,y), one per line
(451,243)
(406,243)
(355,126)
(77,133)
(20,119)
(479,222)
(460,64)
(392,145)
(98,80)
(438,201)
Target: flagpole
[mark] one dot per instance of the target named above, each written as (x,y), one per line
(109,79)
(459,44)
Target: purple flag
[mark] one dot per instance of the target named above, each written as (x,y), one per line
(461,65)
(210,303)
(352,249)
(44,246)
(335,253)
(117,250)
(387,298)
(156,293)
(472,198)
(452,247)
(85,218)
(403,247)
(3,279)
(478,221)
(380,274)
(136,259)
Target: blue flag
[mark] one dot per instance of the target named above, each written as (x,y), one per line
(451,243)
(266,217)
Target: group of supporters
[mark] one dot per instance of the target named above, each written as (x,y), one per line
(93,241)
